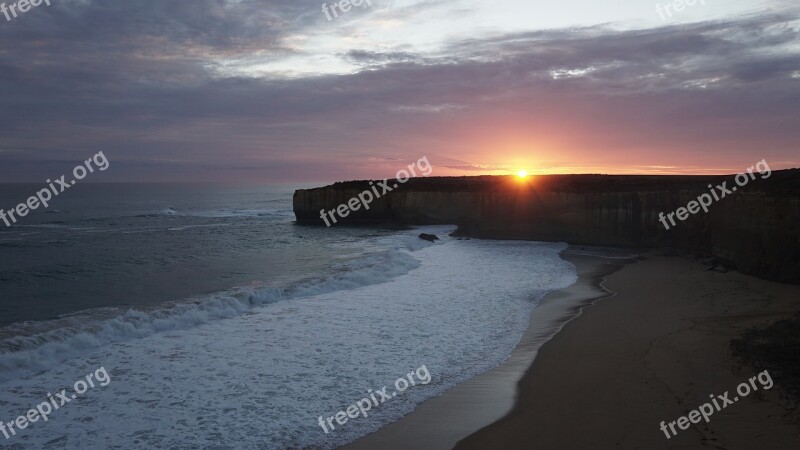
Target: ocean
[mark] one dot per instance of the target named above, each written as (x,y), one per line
(223,324)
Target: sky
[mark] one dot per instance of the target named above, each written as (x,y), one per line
(272,91)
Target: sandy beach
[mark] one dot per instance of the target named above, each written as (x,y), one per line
(656,350)
(630,345)
(441,422)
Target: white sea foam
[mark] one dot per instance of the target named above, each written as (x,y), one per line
(261,379)
(42,350)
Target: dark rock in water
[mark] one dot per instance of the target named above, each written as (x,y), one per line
(429,237)
(459,233)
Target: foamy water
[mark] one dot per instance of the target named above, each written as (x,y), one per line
(257,369)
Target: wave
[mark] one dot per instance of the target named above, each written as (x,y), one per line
(53,224)
(205,225)
(224,213)
(460,313)
(73,336)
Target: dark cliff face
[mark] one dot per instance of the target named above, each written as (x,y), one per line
(755,229)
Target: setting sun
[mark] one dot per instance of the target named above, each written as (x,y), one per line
(522,174)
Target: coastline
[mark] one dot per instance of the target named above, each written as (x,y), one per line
(658,350)
(441,422)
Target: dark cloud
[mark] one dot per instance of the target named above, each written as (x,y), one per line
(145,81)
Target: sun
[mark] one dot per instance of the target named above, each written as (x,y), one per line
(522,174)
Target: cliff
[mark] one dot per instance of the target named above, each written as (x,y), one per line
(755,229)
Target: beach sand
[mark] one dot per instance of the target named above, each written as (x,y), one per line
(651,353)
(441,422)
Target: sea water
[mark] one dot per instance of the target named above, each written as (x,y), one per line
(222,324)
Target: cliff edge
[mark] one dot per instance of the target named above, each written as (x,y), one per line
(754,228)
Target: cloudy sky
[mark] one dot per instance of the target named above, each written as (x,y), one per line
(273,91)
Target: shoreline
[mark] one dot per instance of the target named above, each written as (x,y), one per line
(660,349)
(441,422)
